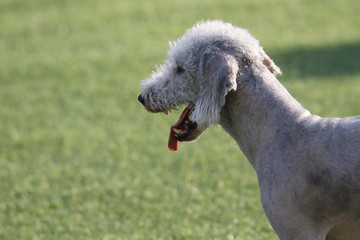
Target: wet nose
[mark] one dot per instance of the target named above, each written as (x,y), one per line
(141,99)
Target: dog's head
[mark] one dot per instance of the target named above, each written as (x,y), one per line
(201,70)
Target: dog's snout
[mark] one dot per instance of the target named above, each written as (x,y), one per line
(141,99)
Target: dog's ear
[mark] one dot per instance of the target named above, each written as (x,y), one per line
(218,71)
(270,64)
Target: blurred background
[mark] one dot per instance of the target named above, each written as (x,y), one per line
(80,158)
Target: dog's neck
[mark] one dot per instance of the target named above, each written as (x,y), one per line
(258,112)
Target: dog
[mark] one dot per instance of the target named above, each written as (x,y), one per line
(308,167)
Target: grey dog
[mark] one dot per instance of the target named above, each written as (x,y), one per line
(308,167)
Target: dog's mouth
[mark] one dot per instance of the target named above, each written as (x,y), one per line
(183,130)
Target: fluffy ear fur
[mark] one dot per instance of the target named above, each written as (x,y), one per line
(218,72)
(270,64)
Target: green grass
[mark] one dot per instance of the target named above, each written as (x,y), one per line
(81,159)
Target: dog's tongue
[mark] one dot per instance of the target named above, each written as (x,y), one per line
(173,142)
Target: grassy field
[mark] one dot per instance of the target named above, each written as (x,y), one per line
(81,159)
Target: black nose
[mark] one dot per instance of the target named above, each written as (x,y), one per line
(141,99)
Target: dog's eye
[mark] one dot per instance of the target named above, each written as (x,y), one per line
(180,70)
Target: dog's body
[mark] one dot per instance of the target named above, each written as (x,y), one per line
(308,167)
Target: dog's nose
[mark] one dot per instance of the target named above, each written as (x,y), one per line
(141,99)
